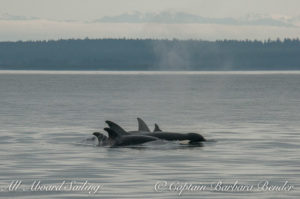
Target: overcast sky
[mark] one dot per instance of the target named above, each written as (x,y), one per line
(49,15)
(91,9)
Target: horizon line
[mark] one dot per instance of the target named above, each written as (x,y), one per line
(105,72)
(157,39)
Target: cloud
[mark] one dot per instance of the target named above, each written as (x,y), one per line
(32,28)
(181,17)
(7,16)
(45,29)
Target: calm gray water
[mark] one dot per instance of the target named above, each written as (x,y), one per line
(251,120)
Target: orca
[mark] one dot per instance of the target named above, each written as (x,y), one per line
(116,139)
(158,133)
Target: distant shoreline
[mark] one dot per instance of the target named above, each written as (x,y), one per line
(151,55)
(102,72)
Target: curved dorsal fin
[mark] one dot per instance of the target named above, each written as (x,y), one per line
(142,125)
(100,136)
(156,128)
(111,133)
(116,128)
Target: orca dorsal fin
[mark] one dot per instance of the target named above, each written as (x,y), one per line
(156,128)
(111,133)
(116,128)
(142,125)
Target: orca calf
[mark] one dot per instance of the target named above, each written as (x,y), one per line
(116,139)
(103,140)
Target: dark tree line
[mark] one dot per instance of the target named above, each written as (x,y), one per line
(148,54)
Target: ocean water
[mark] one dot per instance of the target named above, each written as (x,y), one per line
(251,120)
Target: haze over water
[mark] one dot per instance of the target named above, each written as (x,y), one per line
(250,118)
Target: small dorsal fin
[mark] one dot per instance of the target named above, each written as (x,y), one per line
(156,128)
(142,125)
(116,128)
(100,136)
(111,133)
